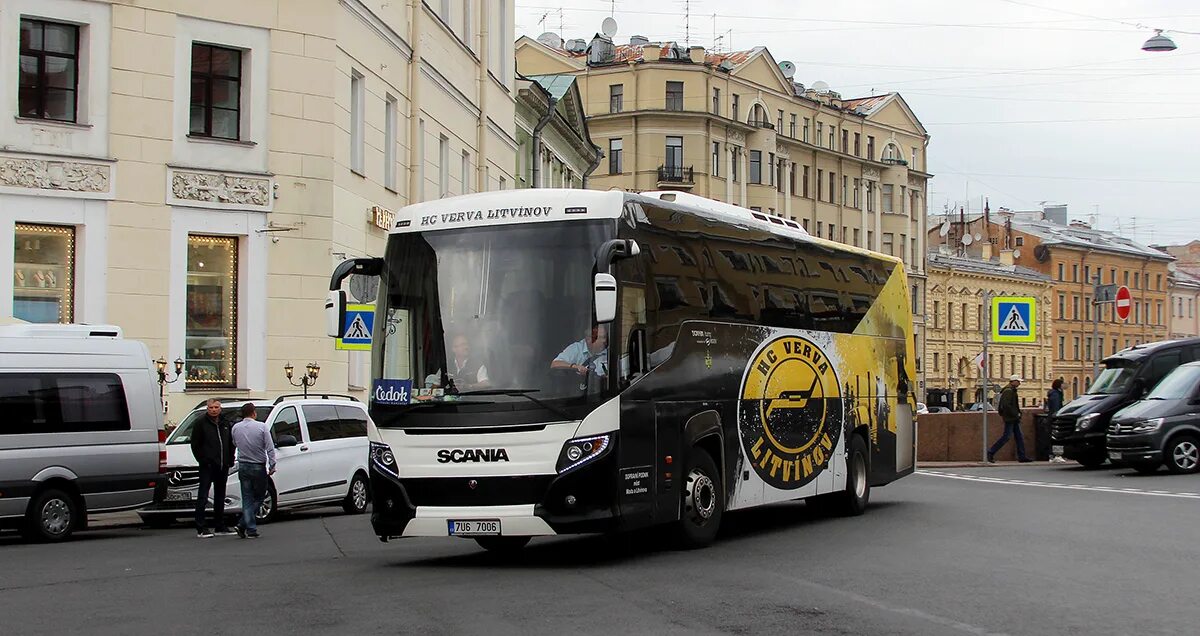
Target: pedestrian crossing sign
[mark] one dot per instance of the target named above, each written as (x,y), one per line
(1014,319)
(357,326)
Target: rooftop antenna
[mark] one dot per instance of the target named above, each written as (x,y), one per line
(687,23)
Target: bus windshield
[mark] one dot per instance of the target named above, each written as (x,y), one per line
(475,319)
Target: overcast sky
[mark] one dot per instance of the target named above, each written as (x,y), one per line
(1026,100)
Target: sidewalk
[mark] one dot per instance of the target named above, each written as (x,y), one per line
(980,464)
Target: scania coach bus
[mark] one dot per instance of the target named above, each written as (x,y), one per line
(572,361)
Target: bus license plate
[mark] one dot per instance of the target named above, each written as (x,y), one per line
(178,496)
(474,528)
(1057,450)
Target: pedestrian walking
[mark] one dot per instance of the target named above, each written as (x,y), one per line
(1010,411)
(256,460)
(1054,397)
(212,446)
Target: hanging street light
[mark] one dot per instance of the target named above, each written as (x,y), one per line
(1159,43)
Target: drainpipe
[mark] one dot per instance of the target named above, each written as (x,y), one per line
(593,165)
(537,143)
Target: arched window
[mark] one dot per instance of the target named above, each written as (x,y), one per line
(892,155)
(759,117)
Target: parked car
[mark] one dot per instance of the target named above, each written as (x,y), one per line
(1164,428)
(939,409)
(979,406)
(922,409)
(321,446)
(1079,430)
(82,428)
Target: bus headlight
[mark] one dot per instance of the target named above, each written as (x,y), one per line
(1085,422)
(383,459)
(578,452)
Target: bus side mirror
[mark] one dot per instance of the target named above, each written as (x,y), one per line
(615,250)
(335,313)
(605,298)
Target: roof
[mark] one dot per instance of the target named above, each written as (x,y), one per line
(989,268)
(1080,237)
(556,85)
(867,104)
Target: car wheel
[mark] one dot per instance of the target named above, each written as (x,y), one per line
(502,545)
(1147,468)
(1183,454)
(358,496)
(52,516)
(1092,460)
(268,511)
(703,502)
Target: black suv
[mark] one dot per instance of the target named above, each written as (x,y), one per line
(1162,429)
(1080,428)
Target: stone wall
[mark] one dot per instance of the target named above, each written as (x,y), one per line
(955,437)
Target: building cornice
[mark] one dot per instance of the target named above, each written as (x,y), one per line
(381,28)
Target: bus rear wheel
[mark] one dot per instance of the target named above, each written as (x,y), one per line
(502,545)
(853,500)
(703,502)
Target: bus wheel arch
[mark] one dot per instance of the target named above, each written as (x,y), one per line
(703,431)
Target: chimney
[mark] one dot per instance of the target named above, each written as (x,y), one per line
(651,52)
(1006,257)
(697,54)
(985,250)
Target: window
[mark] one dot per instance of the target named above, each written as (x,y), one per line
(937,311)
(1062,306)
(716,109)
(1074,307)
(779,170)
(1127,278)
(44,273)
(804,182)
(1137,280)
(1158,282)
(845,189)
(443,165)
(1087,273)
(326,422)
(1062,347)
(466,173)
(389,150)
(832,229)
(357,129)
(792,126)
(871,239)
(779,122)
(502,43)
(832,135)
(755,166)
(734,110)
(287,423)
(820,184)
(889,248)
(857,144)
(737,159)
(950,315)
(820,228)
(216,92)
(888,191)
(845,140)
(49,71)
(820,131)
(858,237)
(62,403)
(1020,241)
(614,156)
(503,183)
(210,339)
(1062,271)
(871,147)
(915,296)
(716,159)
(913,163)
(1112,276)
(935,362)
(1075,273)
(1075,350)
(616,98)
(871,196)
(420,193)
(1158,313)
(832,187)
(857,193)
(805,129)
(674,151)
(771,168)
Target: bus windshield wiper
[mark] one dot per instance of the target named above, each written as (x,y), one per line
(525,393)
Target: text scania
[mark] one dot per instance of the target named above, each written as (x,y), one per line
(490,215)
(462,455)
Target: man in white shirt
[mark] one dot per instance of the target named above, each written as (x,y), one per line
(466,371)
(255,461)
(589,355)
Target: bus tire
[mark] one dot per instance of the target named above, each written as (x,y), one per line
(702,502)
(853,501)
(502,545)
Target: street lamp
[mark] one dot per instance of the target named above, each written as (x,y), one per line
(1159,43)
(161,365)
(312,370)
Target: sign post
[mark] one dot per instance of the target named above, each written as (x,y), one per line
(1013,319)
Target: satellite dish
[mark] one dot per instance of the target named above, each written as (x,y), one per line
(978,236)
(550,39)
(788,69)
(1041,253)
(967,240)
(945,229)
(820,87)
(1016,254)
(608,27)
(576,46)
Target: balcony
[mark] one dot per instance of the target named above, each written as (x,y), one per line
(762,124)
(676,176)
(894,161)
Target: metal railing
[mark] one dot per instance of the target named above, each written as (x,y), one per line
(675,174)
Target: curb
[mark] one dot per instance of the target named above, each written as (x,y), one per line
(977,464)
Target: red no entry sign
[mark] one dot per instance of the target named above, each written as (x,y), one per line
(1124,302)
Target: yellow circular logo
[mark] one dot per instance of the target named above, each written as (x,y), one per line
(791,412)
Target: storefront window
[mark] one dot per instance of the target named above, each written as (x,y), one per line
(212,311)
(44,273)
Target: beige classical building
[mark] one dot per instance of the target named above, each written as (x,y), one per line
(735,127)
(957,318)
(555,149)
(1185,289)
(191,172)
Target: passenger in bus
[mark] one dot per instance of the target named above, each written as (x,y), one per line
(588,355)
(464,371)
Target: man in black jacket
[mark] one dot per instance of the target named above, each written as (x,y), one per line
(212,446)
(1010,411)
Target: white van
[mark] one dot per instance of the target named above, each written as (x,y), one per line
(81,427)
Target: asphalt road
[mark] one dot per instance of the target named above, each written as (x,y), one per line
(1029,550)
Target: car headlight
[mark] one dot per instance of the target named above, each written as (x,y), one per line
(383,459)
(1086,422)
(578,452)
(1148,426)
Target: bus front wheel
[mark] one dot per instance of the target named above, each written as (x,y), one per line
(703,502)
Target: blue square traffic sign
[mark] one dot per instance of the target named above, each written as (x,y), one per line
(1014,319)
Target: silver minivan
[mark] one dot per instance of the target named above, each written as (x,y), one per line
(81,427)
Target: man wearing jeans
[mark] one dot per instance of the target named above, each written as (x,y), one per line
(213,450)
(1010,411)
(256,460)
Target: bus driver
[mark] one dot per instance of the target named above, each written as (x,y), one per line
(589,354)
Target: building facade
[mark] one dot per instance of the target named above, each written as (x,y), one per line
(191,172)
(957,319)
(1076,258)
(555,149)
(735,127)
(1185,296)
